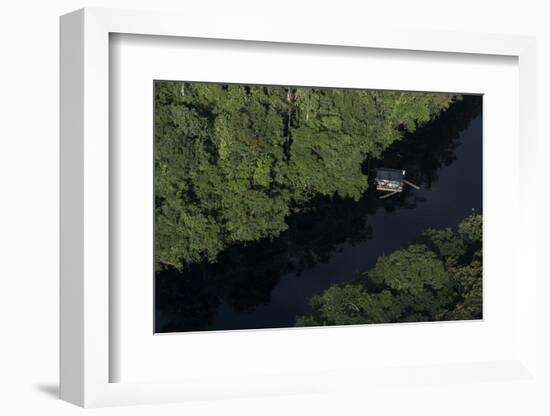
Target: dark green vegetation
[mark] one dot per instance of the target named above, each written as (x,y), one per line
(438,277)
(233,162)
(260,191)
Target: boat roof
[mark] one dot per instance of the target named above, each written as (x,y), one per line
(389,174)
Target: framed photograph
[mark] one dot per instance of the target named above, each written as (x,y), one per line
(281,213)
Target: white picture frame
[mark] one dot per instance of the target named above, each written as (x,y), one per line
(86,303)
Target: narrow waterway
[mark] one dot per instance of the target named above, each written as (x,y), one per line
(267,284)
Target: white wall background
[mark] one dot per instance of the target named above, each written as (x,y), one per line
(29,188)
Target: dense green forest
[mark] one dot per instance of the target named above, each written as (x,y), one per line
(438,277)
(232,162)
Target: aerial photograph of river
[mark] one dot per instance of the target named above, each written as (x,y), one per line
(285,206)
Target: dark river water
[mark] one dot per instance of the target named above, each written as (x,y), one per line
(268,283)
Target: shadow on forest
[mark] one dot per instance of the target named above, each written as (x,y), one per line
(245,275)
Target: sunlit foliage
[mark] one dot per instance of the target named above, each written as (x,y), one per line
(232,161)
